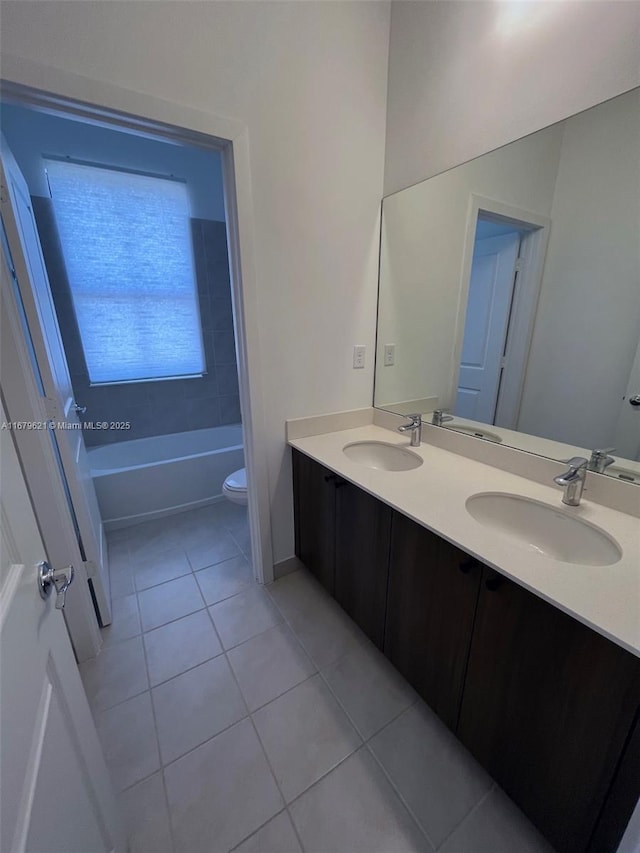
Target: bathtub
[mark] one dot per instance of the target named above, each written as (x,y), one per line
(150,477)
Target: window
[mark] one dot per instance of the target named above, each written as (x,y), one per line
(126,243)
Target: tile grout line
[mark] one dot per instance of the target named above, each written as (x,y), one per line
(353,722)
(400,796)
(222,651)
(161,769)
(468,815)
(284,692)
(262,747)
(266,757)
(256,831)
(295,633)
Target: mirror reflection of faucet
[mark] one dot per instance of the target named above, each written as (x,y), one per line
(600,460)
(439,417)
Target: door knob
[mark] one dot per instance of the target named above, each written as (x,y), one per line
(635,400)
(49,578)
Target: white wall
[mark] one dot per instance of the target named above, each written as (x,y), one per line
(468,76)
(309,81)
(32,134)
(588,319)
(422,287)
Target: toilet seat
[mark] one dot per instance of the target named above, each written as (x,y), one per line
(234,487)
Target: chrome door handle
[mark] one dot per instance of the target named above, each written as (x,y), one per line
(80,410)
(61,579)
(635,400)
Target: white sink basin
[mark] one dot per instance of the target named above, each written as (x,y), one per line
(382,456)
(546,529)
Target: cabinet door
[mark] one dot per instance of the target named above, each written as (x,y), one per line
(433,588)
(363,526)
(547,707)
(314,507)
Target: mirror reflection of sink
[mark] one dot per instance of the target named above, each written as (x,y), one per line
(545,529)
(382,456)
(478,432)
(623,474)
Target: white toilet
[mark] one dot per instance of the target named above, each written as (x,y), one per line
(234,487)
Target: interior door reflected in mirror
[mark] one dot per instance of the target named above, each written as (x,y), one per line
(510,292)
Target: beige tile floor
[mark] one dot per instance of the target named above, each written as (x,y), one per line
(261,720)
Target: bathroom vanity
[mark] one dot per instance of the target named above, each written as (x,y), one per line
(532,661)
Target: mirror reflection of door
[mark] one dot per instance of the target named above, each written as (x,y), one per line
(491,291)
(627,437)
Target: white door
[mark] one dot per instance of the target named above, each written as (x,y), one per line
(487,318)
(31,275)
(627,440)
(56,792)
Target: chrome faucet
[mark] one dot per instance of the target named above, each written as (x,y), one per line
(601,460)
(438,417)
(416,429)
(573,480)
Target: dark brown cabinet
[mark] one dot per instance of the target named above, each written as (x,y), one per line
(547,708)
(433,588)
(363,526)
(315,514)
(342,537)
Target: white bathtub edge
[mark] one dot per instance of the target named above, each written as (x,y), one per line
(130,520)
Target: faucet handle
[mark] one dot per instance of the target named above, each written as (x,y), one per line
(605,451)
(577,462)
(573,480)
(415,418)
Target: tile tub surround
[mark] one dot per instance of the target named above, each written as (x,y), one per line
(167,406)
(434,495)
(272,744)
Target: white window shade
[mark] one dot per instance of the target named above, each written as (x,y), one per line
(126,243)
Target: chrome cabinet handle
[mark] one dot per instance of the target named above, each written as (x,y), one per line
(49,578)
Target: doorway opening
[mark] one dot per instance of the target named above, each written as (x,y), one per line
(171,442)
(504,263)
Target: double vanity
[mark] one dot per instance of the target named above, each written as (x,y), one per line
(515,617)
(496,562)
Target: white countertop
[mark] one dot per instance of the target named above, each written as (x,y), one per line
(606,598)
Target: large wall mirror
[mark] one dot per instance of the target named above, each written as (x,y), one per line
(510,292)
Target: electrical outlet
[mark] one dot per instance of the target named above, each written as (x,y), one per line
(358,356)
(389,354)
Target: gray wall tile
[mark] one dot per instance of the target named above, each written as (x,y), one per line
(224,347)
(227,379)
(202,413)
(229,410)
(221,313)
